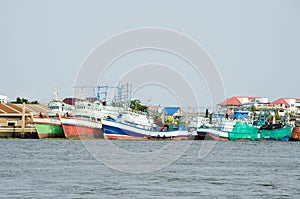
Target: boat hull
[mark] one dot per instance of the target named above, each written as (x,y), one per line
(295,134)
(75,128)
(243,131)
(119,131)
(211,134)
(281,134)
(48,128)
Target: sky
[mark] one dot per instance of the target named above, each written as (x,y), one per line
(255,45)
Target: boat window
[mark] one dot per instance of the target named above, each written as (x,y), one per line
(53,107)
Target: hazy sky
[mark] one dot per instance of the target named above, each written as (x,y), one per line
(254,43)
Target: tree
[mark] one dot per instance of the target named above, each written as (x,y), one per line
(26,101)
(136,105)
(34,102)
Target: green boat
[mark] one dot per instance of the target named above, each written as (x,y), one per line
(243,131)
(276,134)
(48,127)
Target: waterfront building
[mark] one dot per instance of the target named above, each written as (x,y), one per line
(16,121)
(238,102)
(290,105)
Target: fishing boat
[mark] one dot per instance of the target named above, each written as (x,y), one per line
(211,133)
(243,131)
(216,131)
(269,129)
(275,132)
(48,125)
(84,122)
(216,128)
(131,125)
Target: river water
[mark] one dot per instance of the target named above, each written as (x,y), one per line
(66,169)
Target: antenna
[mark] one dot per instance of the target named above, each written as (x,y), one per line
(125,94)
(102,93)
(83,91)
(55,94)
(122,93)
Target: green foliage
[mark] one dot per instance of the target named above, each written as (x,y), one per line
(26,101)
(136,105)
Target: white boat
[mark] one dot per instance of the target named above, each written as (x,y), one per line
(136,125)
(216,131)
(211,133)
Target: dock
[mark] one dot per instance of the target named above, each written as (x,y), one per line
(16,121)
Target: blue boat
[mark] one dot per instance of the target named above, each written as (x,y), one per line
(137,127)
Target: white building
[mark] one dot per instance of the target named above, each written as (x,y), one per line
(3,99)
(287,104)
(237,101)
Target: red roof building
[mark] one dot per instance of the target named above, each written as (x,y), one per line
(281,102)
(291,105)
(233,101)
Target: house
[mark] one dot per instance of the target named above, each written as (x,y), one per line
(231,104)
(291,105)
(236,102)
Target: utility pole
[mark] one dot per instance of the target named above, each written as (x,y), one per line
(127,100)
(23,120)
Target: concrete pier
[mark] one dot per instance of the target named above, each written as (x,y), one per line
(18,132)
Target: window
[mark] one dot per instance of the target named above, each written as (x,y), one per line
(11,123)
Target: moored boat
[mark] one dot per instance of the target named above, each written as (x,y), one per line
(243,131)
(207,133)
(210,133)
(216,131)
(81,128)
(49,125)
(84,123)
(136,126)
(275,132)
